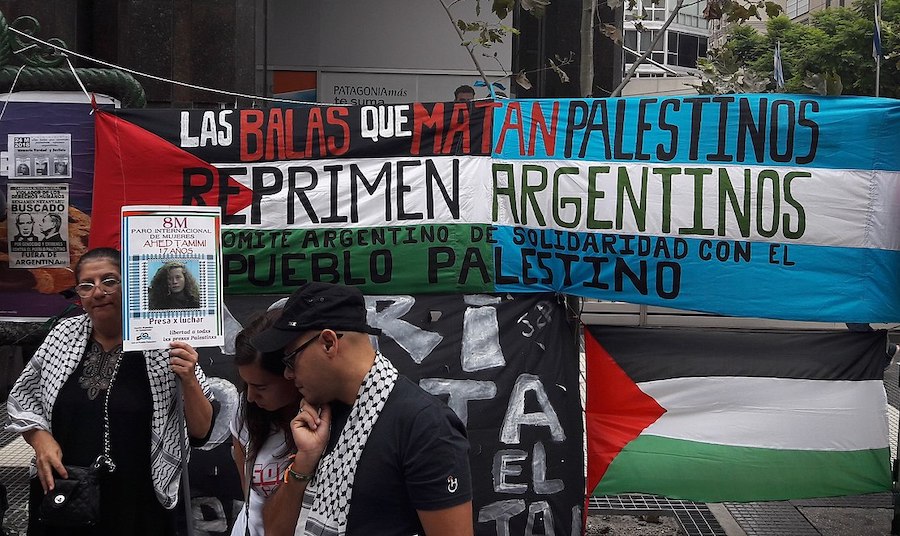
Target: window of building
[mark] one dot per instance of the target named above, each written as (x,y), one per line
(688,48)
(630,41)
(692,15)
(674,49)
(796,8)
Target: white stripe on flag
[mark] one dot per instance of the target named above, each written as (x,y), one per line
(778,413)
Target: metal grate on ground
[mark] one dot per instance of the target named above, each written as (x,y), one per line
(695,519)
(15,457)
(771,519)
(870,500)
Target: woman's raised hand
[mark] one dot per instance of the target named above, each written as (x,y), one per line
(183,360)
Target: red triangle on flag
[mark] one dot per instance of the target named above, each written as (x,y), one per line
(616,410)
(135,167)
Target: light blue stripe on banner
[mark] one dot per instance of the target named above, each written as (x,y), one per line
(782,130)
(734,278)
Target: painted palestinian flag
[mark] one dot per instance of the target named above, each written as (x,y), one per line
(381,198)
(722,415)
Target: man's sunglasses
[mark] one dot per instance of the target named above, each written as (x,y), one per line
(288,359)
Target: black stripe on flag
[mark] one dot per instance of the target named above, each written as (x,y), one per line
(694,352)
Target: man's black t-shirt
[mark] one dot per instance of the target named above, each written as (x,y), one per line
(416,458)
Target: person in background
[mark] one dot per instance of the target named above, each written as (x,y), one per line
(464,93)
(174,287)
(376,454)
(57,404)
(261,429)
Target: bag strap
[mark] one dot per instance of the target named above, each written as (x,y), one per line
(105,459)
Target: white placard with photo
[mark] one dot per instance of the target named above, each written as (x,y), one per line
(171,276)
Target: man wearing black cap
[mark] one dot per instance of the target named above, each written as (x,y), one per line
(375,453)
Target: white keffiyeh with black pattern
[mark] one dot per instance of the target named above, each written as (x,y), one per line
(326,501)
(31,401)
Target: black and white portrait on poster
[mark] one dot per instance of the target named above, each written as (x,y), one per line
(40,155)
(38,237)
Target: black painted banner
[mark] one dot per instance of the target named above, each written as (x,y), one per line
(509,368)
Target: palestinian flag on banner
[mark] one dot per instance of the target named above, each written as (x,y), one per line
(721,415)
(390,199)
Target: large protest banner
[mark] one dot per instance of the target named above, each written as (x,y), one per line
(750,205)
(387,198)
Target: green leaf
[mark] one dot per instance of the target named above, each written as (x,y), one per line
(737,13)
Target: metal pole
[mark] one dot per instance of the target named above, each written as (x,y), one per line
(878,54)
(877,75)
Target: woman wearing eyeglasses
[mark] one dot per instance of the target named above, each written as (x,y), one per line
(261,430)
(58,405)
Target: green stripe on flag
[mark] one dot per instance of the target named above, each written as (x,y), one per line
(706,472)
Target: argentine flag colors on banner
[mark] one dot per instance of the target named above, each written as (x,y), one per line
(777,206)
(780,206)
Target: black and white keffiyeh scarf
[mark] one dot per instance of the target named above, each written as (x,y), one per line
(326,501)
(31,401)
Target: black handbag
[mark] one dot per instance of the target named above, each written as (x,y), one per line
(75,501)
